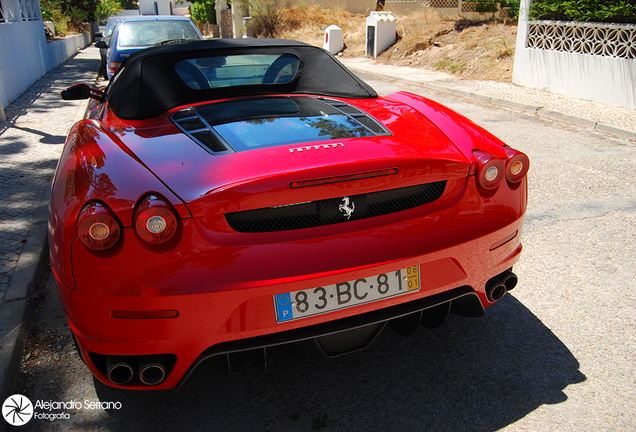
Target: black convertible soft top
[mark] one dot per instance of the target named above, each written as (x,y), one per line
(147,84)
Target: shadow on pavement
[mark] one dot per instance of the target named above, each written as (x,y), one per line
(470,374)
(43,96)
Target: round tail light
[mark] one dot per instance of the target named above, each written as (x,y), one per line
(490,170)
(97,226)
(155,220)
(517,166)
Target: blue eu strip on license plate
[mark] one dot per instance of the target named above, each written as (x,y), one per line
(315,301)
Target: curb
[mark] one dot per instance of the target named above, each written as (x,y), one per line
(615,130)
(16,311)
(538,110)
(556,115)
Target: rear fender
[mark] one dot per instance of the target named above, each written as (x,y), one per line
(96,166)
(466,135)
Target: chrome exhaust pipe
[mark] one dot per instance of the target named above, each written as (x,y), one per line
(497,286)
(152,370)
(119,369)
(509,279)
(495,289)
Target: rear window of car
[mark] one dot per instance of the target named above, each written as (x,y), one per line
(147,33)
(237,70)
(110,26)
(240,125)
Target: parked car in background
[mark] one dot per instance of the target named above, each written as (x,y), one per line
(105,37)
(233,195)
(134,33)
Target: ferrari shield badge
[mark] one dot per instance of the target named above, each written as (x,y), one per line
(347,207)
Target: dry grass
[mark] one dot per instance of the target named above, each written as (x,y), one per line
(307,23)
(425,39)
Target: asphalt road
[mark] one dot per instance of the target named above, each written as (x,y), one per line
(557,353)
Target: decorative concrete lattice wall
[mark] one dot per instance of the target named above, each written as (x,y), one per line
(441,3)
(607,40)
(469,6)
(595,61)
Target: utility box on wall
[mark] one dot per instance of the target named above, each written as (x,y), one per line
(334,41)
(381,32)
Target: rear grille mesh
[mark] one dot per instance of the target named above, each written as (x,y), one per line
(332,211)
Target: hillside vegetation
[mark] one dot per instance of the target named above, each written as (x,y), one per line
(425,39)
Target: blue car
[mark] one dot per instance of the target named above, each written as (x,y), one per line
(138,32)
(105,37)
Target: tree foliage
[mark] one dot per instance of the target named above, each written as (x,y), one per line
(79,10)
(203,12)
(68,15)
(616,11)
(106,9)
(129,4)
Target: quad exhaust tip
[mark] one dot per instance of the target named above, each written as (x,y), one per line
(119,369)
(499,285)
(151,370)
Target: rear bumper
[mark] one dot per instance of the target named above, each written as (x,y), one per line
(243,317)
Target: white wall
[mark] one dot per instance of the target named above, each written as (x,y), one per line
(128,12)
(147,7)
(599,78)
(25,56)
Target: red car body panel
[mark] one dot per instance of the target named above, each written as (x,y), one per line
(221,282)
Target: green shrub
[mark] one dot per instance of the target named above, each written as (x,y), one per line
(79,11)
(486,6)
(203,12)
(52,11)
(617,11)
(60,23)
(266,16)
(512,8)
(129,4)
(68,16)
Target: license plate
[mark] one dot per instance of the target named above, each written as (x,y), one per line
(315,301)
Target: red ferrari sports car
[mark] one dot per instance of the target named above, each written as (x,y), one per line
(234,195)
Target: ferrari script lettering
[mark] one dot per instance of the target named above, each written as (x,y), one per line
(315,147)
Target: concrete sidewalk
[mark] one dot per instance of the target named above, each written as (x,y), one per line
(31,141)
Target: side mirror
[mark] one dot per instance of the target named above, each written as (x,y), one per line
(81,91)
(98,34)
(101,44)
(76,92)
